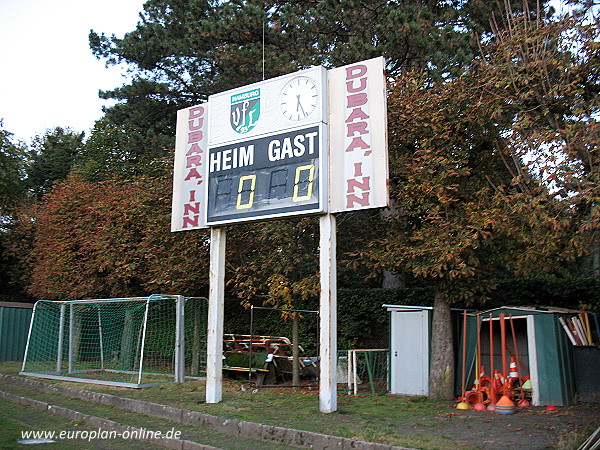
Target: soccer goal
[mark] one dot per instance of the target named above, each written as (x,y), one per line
(128,342)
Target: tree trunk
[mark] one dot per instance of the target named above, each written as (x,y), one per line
(595,256)
(392,280)
(441,376)
(126,356)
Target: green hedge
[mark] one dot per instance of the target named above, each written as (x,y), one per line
(572,293)
(362,320)
(364,323)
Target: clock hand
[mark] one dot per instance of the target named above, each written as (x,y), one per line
(299,106)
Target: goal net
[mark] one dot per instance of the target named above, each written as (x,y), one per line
(128,342)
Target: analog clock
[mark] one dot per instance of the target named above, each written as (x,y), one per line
(299,98)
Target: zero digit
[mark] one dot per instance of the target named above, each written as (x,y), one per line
(241,191)
(311,177)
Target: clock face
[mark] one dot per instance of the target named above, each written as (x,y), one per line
(299,98)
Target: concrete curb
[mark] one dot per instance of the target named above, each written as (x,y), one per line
(105,424)
(232,427)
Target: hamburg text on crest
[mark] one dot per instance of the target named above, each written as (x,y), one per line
(245,111)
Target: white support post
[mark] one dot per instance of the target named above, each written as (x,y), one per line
(61,332)
(101,336)
(216,302)
(328,315)
(349,372)
(354,372)
(179,339)
(143,343)
(71,336)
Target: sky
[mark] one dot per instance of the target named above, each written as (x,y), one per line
(48,74)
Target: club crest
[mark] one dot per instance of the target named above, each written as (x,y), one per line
(245,111)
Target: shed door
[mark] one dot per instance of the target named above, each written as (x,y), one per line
(410,352)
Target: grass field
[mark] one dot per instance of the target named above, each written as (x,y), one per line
(413,422)
(16,420)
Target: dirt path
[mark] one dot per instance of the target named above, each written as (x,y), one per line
(530,428)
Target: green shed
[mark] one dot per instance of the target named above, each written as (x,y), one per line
(534,338)
(14,327)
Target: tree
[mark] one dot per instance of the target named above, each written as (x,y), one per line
(109,239)
(468,205)
(52,157)
(120,151)
(13,157)
(461,216)
(545,76)
(12,172)
(181,52)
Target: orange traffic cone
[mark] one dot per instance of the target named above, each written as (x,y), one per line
(498,380)
(513,373)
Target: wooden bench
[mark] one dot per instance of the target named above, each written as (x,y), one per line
(235,362)
(260,373)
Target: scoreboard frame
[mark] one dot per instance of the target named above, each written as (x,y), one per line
(273,176)
(248,154)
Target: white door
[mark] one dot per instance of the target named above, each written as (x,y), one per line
(533,367)
(409,372)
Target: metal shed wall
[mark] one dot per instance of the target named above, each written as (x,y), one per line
(555,362)
(553,354)
(14,326)
(410,347)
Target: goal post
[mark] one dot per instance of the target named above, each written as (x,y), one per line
(127,342)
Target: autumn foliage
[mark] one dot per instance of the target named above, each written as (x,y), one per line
(495,172)
(111,239)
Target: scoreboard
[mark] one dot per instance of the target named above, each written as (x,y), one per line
(310,142)
(267,177)
(265,144)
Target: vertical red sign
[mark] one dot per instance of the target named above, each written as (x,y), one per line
(188,208)
(358,164)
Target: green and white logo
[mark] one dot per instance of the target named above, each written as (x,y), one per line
(245,111)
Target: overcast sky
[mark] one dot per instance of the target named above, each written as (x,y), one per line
(48,75)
